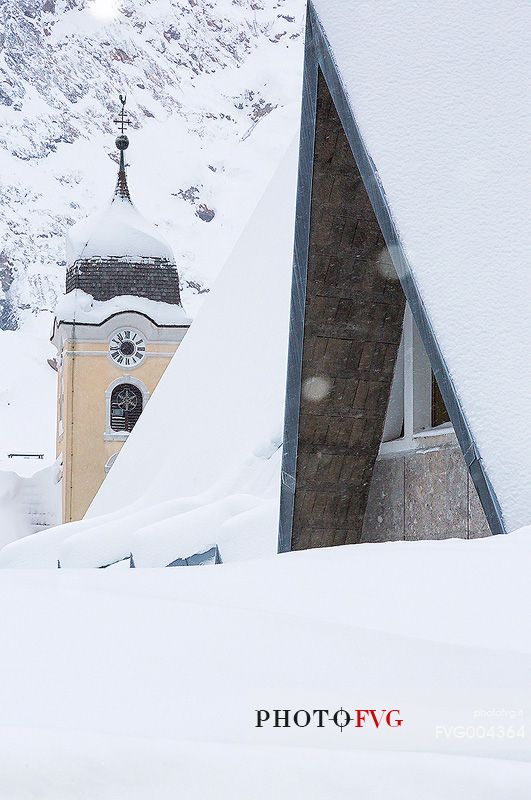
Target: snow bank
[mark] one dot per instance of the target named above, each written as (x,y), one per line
(27,505)
(213,476)
(28,395)
(143,683)
(437,90)
(81,307)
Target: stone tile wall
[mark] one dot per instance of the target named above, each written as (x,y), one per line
(423,494)
(353,324)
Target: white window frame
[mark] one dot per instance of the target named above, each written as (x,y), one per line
(120,436)
(410,400)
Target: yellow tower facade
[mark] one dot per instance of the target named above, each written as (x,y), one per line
(99,400)
(116,329)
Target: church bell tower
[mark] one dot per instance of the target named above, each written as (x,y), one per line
(118,325)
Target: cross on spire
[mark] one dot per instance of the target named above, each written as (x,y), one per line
(122,121)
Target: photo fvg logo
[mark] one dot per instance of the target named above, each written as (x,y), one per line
(321,717)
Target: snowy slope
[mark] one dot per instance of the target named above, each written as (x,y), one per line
(212,477)
(145,683)
(213,97)
(448,132)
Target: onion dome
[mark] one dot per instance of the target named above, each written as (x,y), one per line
(117,251)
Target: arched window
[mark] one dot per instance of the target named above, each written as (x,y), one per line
(123,408)
(126,407)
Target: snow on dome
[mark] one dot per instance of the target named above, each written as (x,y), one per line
(98,247)
(120,231)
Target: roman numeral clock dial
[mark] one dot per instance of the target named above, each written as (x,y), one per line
(127,348)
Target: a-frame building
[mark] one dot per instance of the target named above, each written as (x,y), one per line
(351,280)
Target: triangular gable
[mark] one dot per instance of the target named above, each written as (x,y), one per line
(469,307)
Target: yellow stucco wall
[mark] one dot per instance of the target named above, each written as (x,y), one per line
(87,372)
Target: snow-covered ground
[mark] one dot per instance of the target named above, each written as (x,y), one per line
(145,683)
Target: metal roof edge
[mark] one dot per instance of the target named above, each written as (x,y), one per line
(298,291)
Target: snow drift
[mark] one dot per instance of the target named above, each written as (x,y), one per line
(145,683)
(29,504)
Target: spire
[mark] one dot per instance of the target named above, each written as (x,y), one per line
(122,143)
(122,189)
(116,251)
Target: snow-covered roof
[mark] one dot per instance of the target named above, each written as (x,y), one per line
(435,93)
(119,230)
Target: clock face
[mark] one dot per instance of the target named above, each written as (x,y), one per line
(127,348)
